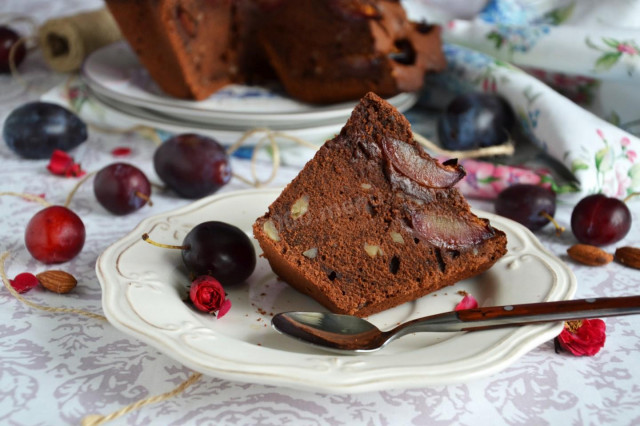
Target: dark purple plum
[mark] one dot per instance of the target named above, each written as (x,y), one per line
(121,188)
(8,38)
(36,129)
(220,250)
(527,205)
(600,220)
(192,165)
(475,120)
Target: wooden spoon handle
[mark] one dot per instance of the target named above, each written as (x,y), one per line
(564,310)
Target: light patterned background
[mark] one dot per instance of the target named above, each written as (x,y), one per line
(58,368)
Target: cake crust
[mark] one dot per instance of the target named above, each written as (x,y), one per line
(345,230)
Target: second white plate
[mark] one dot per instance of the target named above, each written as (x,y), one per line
(143,289)
(115,72)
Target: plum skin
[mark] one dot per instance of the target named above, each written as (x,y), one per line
(525,203)
(36,129)
(54,235)
(600,220)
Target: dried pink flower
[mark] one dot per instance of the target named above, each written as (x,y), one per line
(62,164)
(207,295)
(24,282)
(467,302)
(583,337)
(121,151)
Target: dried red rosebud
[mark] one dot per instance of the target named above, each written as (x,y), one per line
(207,295)
(583,337)
(24,282)
(62,164)
(467,302)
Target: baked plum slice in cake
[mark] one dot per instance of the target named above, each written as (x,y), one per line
(372,221)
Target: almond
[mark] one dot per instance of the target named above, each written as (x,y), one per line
(629,256)
(300,207)
(589,255)
(57,281)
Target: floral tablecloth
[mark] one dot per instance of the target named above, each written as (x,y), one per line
(58,368)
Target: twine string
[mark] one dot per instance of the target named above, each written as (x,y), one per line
(30,197)
(507,148)
(7,18)
(272,137)
(13,67)
(96,419)
(77,186)
(15,294)
(275,160)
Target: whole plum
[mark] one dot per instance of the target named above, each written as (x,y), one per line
(475,120)
(192,165)
(36,129)
(8,39)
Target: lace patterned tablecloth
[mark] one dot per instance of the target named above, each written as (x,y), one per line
(58,368)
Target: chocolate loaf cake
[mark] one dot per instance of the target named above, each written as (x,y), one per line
(332,51)
(372,221)
(322,51)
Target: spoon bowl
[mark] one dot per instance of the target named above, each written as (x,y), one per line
(348,334)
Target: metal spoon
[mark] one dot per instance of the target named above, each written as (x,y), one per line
(350,334)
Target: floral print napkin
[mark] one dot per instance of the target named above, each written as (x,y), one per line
(570,70)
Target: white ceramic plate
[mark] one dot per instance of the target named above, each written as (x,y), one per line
(143,287)
(174,120)
(105,115)
(115,72)
(224,134)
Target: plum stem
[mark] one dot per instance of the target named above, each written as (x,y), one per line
(145,197)
(559,229)
(630,196)
(146,238)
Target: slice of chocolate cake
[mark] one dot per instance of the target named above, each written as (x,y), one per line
(372,221)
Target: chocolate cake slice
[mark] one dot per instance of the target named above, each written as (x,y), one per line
(372,221)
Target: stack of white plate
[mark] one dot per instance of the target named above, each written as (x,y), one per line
(118,80)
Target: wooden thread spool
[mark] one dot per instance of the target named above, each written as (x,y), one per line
(67,41)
